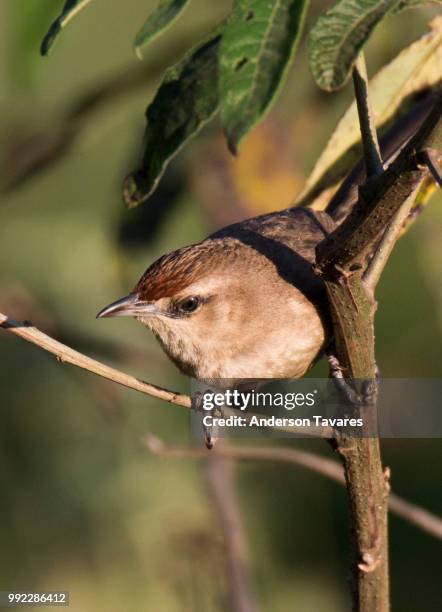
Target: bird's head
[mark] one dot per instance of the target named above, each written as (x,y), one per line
(195,301)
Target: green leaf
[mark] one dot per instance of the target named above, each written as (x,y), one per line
(70,9)
(257,46)
(417,68)
(338,36)
(165,14)
(186,100)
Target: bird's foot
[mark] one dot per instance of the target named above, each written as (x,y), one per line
(209,431)
(365,396)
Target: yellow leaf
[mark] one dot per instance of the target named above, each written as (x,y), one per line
(417,67)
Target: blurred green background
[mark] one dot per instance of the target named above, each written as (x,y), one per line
(85,507)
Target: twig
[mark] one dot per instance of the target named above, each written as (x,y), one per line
(351,244)
(391,143)
(380,257)
(414,514)
(432,160)
(65,354)
(370,144)
(222,489)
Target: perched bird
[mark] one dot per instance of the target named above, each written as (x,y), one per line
(245,302)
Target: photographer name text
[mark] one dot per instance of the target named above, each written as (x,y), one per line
(273,421)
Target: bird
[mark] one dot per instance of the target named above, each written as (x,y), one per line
(243,303)
(246,303)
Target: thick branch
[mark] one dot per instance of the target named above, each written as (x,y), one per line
(65,354)
(342,259)
(412,513)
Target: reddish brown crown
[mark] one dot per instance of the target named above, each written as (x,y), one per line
(177,270)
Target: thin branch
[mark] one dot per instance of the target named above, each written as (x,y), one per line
(220,480)
(432,159)
(379,201)
(380,257)
(391,143)
(414,514)
(65,354)
(370,144)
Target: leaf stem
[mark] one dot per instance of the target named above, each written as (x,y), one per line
(370,143)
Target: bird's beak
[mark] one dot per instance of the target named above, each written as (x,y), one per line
(129,306)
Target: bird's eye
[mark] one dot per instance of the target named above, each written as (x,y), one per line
(188,305)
